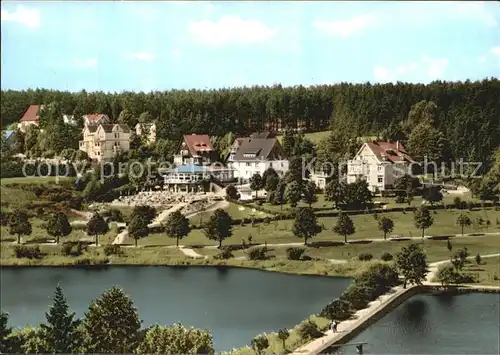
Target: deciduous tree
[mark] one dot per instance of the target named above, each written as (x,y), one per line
(293,193)
(305,225)
(232,193)
(344,226)
(256,183)
(310,193)
(335,191)
(176,339)
(138,227)
(97,226)
(177,226)
(423,219)
(19,224)
(58,226)
(463,220)
(219,226)
(412,264)
(385,225)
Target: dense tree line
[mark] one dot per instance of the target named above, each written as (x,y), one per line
(110,325)
(466,112)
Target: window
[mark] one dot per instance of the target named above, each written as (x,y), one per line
(248,164)
(380,179)
(270,164)
(380,168)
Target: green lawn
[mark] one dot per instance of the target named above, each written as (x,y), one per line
(40,235)
(366,228)
(326,206)
(34,180)
(436,250)
(314,137)
(487,273)
(234,210)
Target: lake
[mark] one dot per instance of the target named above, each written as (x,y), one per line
(432,324)
(234,304)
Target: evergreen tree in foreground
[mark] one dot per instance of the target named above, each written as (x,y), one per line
(59,331)
(112,323)
(4,332)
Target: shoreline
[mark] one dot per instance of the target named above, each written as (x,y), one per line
(203,263)
(377,309)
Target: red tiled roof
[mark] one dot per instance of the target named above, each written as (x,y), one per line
(31,114)
(198,143)
(393,151)
(94,117)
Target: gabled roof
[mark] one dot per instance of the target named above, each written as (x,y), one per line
(108,128)
(94,117)
(259,147)
(31,114)
(198,143)
(393,152)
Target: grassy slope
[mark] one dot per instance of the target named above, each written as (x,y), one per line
(366,228)
(33,180)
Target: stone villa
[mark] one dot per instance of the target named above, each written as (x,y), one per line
(104,141)
(380,163)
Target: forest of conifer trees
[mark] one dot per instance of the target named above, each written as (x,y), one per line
(468,112)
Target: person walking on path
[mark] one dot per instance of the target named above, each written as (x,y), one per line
(333,326)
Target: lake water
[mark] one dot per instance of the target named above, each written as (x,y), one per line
(431,324)
(234,304)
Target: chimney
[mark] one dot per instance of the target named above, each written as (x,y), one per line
(397,145)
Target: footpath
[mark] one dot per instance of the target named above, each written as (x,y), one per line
(361,318)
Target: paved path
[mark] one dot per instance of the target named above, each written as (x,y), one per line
(164,214)
(354,241)
(191,253)
(346,327)
(219,204)
(434,267)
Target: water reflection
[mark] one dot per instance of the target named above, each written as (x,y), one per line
(437,324)
(209,298)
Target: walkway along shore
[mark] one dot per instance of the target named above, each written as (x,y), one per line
(348,329)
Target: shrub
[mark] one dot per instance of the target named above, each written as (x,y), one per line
(73,248)
(4,218)
(337,309)
(357,295)
(365,257)
(112,249)
(224,254)
(380,277)
(295,253)
(387,257)
(257,253)
(309,330)
(400,199)
(23,251)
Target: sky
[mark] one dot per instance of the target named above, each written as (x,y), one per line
(143,46)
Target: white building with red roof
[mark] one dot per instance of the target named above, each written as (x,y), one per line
(30,117)
(380,163)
